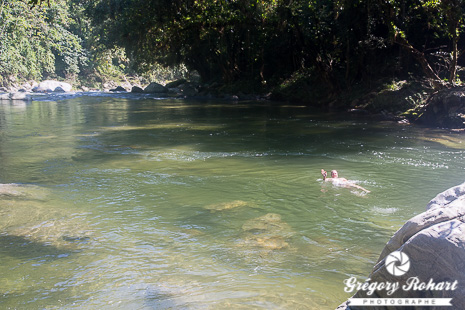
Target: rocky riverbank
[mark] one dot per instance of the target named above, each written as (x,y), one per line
(402,101)
(179,89)
(413,101)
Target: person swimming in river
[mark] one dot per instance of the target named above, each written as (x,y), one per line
(336,180)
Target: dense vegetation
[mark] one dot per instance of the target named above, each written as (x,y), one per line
(55,40)
(255,43)
(39,42)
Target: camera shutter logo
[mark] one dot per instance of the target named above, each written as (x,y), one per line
(397,263)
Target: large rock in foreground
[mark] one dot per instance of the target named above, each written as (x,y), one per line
(434,242)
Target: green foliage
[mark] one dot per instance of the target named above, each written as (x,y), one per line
(431,31)
(257,40)
(36,42)
(400,96)
(341,42)
(334,45)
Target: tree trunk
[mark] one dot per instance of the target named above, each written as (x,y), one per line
(453,65)
(420,57)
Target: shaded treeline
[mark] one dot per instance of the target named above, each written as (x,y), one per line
(337,43)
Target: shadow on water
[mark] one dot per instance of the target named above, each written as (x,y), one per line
(252,127)
(24,248)
(149,296)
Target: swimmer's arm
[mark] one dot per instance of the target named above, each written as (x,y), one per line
(359,187)
(324,174)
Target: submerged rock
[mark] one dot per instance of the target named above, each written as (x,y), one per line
(270,223)
(227,205)
(60,232)
(10,190)
(27,218)
(267,243)
(434,242)
(267,232)
(20,191)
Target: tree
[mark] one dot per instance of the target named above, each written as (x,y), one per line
(426,29)
(37,42)
(218,38)
(453,11)
(340,42)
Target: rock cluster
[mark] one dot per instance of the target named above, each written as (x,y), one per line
(434,242)
(55,90)
(186,89)
(27,90)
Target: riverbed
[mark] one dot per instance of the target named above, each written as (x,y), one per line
(143,203)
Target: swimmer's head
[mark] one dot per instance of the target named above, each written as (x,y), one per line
(334,174)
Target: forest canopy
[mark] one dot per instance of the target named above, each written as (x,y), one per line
(40,41)
(338,43)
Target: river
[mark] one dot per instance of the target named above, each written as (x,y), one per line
(134,203)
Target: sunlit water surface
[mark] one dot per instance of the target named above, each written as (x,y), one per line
(157,204)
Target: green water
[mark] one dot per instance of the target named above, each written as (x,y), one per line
(164,204)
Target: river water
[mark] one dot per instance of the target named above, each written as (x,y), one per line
(167,204)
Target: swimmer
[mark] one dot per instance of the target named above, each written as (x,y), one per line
(336,180)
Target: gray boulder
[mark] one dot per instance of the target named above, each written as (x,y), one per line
(155,88)
(119,88)
(176,83)
(188,89)
(446,109)
(137,89)
(434,242)
(26,86)
(50,86)
(19,96)
(14,96)
(59,90)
